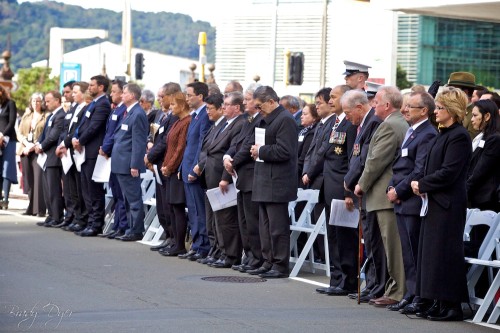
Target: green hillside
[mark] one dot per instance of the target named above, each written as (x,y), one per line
(29,23)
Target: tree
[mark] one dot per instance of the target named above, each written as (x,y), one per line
(31,80)
(401,80)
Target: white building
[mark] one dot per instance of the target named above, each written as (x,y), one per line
(158,68)
(253,41)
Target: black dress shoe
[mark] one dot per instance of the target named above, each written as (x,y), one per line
(51,224)
(130,237)
(66,228)
(273,274)
(118,233)
(89,232)
(40,214)
(221,264)
(246,268)
(41,224)
(454,313)
(258,271)
(366,298)
(164,244)
(354,295)
(411,308)
(28,213)
(172,253)
(187,254)
(207,260)
(237,267)
(62,224)
(197,256)
(333,291)
(429,310)
(398,306)
(77,228)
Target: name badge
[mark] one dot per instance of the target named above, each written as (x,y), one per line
(404,152)
(87,114)
(301,138)
(50,123)
(68,116)
(124,127)
(75,120)
(30,137)
(481,143)
(114,117)
(160,130)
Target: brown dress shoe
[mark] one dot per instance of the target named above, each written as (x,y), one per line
(384,301)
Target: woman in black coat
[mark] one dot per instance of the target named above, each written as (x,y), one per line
(484,176)
(8,140)
(441,272)
(309,119)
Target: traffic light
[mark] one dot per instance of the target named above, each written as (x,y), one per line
(296,68)
(139,66)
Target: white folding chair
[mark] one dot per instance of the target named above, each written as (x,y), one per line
(486,250)
(305,224)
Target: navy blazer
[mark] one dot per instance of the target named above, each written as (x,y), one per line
(336,159)
(243,162)
(54,128)
(275,179)
(114,120)
(130,142)
(157,152)
(197,129)
(411,167)
(359,153)
(93,126)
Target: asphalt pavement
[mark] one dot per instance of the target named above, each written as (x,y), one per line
(55,281)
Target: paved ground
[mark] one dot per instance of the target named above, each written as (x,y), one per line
(54,281)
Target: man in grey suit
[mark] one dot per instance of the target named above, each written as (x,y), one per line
(373,183)
(226,220)
(275,182)
(128,159)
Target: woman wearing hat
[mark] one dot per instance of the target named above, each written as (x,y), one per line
(441,272)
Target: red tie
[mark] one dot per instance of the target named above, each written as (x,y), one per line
(359,130)
(125,114)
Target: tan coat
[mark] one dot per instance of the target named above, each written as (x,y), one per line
(378,167)
(25,128)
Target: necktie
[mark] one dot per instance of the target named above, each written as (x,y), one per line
(125,114)
(319,131)
(220,131)
(409,132)
(358,131)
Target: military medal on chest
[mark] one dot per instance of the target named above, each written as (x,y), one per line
(337,138)
(356,149)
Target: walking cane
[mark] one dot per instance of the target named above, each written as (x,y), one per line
(360,250)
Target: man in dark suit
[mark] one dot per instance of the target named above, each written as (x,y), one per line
(226,220)
(238,161)
(342,241)
(312,172)
(73,178)
(292,104)
(214,111)
(196,93)
(275,182)
(120,224)
(52,185)
(359,112)
(374,180)
(154,156)
(127,160)
(408,166)
(90,135)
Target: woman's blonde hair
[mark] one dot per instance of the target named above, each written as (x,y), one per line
(455,101)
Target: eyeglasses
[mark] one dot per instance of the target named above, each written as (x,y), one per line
(414,107)
(258,106)
(189,95)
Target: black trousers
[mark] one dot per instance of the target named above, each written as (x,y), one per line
(53,193)
(248,220)
(93,195)
(274,229)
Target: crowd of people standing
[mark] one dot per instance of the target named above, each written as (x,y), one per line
(411,168)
